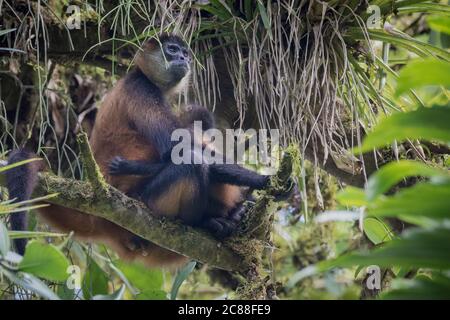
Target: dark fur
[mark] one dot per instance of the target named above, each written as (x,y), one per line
(21,182)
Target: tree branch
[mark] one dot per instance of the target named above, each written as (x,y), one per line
(104,201)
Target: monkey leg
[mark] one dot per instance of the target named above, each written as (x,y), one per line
(178,191)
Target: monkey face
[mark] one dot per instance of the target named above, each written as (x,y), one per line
(167,62)
(178,58)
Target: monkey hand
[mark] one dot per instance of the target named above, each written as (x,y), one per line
(220,227)
(118,166)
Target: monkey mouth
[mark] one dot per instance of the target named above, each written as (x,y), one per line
(179,70)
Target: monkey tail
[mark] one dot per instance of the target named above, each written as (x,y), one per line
(21,182)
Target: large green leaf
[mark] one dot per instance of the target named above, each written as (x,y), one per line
(45,261)
(352,197)
(436,288)
(429,200)
(147,281)
(439,23)
(420,73)
(419,248)
(392,173)
(424,123)
(95,281)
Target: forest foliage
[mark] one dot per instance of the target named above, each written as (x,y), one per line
(366,108)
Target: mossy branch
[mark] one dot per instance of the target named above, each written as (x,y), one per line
(97,198)
(90,167)
(113,205)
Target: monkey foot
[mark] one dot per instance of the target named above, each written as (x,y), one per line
(237,213)
(220,227)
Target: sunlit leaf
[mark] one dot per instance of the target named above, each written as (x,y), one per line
(392,173)
(439,23)
(422,73)
(424,199)
(424,123)
(420,248)
(45,261)
(419,288)
(352,197)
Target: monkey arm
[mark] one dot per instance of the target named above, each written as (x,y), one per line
(237,175)
(121,166)
(222,173)
(157,130)
(194,113)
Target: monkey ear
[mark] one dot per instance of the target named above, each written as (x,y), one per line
(151,44)
(128,52)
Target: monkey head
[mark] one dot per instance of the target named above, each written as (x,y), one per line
(167,62)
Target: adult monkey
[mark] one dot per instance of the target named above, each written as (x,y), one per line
(135,122)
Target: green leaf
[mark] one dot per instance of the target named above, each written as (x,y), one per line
(148,282)
(5,244)
(439,23)
(45,261)
(423,123)
(418,248)
(264,17)
(437,288)
(400,39)
(420,73)
(377,231)
(181,276)
(95,281)
(392,173)
(422,200)
(117,295)
(352,197)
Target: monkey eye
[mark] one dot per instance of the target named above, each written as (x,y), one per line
(185,53)
(172,48)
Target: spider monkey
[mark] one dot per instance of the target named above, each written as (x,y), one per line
(135,122)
